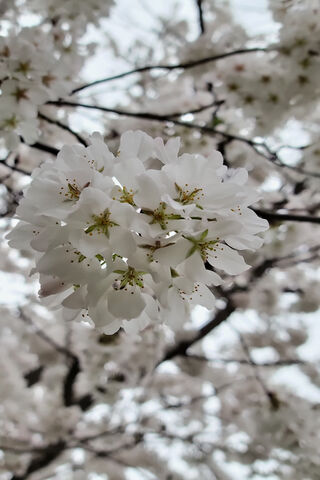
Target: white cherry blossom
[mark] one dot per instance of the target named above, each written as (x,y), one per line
(128,238)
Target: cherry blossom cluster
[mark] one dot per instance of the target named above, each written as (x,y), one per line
(33,71)
(138,237)
(257,82)
(71,10)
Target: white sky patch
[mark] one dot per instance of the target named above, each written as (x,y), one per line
(14,290)
(296,381)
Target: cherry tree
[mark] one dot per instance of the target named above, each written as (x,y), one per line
(159,207)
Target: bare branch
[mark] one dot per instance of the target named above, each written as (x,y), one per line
(44,148)
(278,363)
(74,368)
(176,66)
(41,334)
(64,127)
(282,217)
(14,167)
(261,148)
(200,14)
(42,460)
(271,396)
(182,347)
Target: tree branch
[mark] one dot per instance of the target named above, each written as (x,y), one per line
(270,395)
(201,19)
(182,347)
(174,66)
(282,217)
(41,334)
(64,127)
(261,148)
(44,148)
(74,369)
(278,363)
(14,167)
(42,460)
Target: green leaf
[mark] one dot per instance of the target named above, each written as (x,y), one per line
(203,235)
(174,273)
(217,121)
(90,229)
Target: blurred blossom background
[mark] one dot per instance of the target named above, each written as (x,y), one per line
(222,394)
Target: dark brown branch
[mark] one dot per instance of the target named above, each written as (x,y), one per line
(74,368)
(198,109)
(45,148)
(284,217)
(69,381)
(69,397)
(33,376)
(64,127)
(182,347)
(200,14)
(42,460)
(174,66)
(261,148)
(277,363)
(41,334)
(20,450)
(270,395)
(14,167)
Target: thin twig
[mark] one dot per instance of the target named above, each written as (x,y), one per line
(181,347)
(64,127)
(261,148)
(174,66)
(281,217)
(272,398)
(278,363)
(41,334)
(200,15)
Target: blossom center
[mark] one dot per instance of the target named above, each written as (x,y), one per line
(24,67)
(20,94)
(160,216)
(153,248)
(130,276)
(186,196)
(102,223)
(202,246)
(11,122)
(127,196)
(74,190)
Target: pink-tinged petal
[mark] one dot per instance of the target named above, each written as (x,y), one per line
(51,286)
